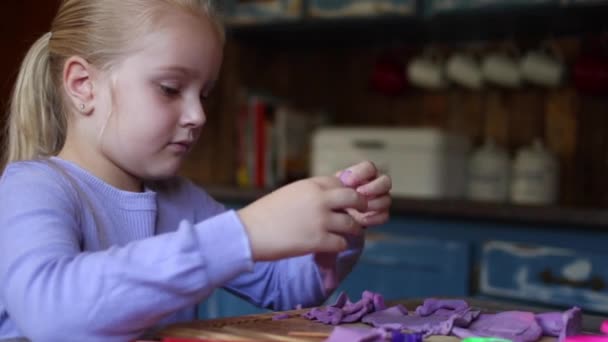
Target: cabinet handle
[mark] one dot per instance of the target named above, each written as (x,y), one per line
(595,283)
(369,144)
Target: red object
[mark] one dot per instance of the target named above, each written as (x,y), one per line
(590,74)
(590,71)
(586,338)
(260,109)
(388,76)
(590,338)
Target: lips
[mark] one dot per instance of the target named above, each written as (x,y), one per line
(182,145)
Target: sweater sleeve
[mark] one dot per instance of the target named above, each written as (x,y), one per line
(53,291)
(282,285)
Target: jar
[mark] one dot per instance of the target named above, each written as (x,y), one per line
(535,175)
(489,173)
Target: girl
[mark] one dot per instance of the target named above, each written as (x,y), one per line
(99,240)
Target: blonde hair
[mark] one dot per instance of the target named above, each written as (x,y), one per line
(101,32)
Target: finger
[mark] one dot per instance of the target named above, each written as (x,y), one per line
(379,186)
(382,203)
(359,174)
(327,182)
(343,198)
(332,243)
(374,219)
(343,224)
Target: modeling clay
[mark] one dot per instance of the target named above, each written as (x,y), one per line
(343,334)
(400,337)
(344,311)
(449,317)
(438,320)
(279,317)
(517,326)
(561,324)
(431,305)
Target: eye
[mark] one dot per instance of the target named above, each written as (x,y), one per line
(168,90)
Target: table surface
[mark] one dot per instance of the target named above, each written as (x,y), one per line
(263,327)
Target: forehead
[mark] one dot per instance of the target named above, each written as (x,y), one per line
(180,39)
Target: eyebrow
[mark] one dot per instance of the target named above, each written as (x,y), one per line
(189,72)
(181,70)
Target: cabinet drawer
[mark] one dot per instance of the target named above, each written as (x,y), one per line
(545,274)
(400,267)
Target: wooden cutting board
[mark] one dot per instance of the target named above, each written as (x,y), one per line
(262,327)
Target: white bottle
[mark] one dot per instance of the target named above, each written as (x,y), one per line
(535,175)
(489,173)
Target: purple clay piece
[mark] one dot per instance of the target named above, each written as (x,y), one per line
(560,324)
(387,318)
(550,322)
(573,323)
(344,311)
(431,305)
(279,317)
(517,326)
(312,313)
(341,300)
(378,301)
(344,176)
(348,309)
(343,334)
(355,316)
(439,323)
(401,337)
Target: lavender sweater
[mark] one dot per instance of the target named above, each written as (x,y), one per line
(83,261)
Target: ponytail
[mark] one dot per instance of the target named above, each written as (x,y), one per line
(98,31)
(36,123)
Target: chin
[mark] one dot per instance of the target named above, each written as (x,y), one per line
(162,172)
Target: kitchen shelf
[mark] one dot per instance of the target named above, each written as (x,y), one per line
(523,22)
(461,209)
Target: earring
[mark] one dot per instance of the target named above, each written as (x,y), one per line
(82,107)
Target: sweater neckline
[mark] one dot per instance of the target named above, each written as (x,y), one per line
(145,200)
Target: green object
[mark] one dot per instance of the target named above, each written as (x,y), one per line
(485,339)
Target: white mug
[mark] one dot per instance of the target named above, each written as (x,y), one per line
(542,68)
(464,70)
(426,72)
(501,69)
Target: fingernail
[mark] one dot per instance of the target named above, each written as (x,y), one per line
(345,176)
(363,190)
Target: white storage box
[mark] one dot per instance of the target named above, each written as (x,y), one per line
(422,162)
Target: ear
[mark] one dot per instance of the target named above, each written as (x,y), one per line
(78,83)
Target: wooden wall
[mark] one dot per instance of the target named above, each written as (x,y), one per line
(336,79)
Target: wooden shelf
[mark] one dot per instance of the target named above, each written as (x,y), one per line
(523,22)
(458,209)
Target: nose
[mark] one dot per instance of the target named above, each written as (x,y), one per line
(194,116)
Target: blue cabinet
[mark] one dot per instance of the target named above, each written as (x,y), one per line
(398,266)
(545,274)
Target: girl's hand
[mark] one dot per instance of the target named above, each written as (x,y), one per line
(374,186)
(309,216)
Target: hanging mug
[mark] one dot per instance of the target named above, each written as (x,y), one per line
(544,66)
(464,69)
(426,71)
(502,68)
